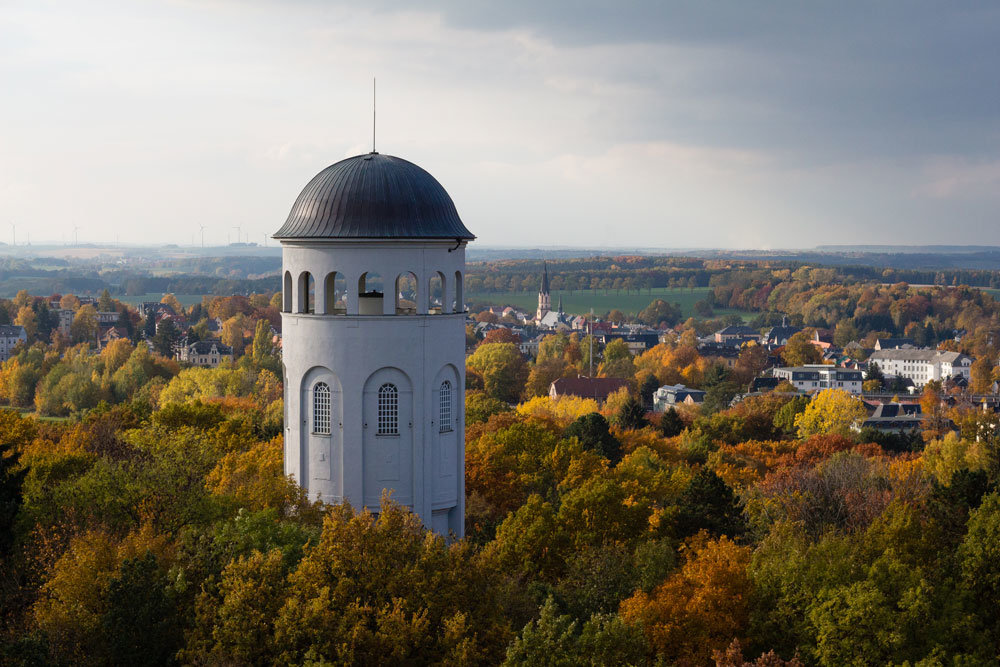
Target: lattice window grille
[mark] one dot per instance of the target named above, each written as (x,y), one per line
(388,410)
(321,408)
(444,406)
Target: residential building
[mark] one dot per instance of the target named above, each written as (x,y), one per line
(65,317)
(736,334)
(676,394)
(596,388)
(208,353)
(778,336)
(11,335)
(820,376)
(922,365)
(895,418)
(894,343)
(107,318)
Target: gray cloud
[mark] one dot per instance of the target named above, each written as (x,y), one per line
(699,123)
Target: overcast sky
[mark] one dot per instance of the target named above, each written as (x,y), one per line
(667,124)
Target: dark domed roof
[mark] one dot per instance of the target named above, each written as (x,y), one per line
(373,196)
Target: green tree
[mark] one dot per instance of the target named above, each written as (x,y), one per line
(140,623)
(166,337)
(660,312)
(671,423)
(554,640)
(631,415)
(784,417)
(502,368)
(11,478)
(594,433)
(263,348)
(709,504)
(105,303)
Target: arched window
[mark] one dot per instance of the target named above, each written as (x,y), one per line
(444,406)
(286,301)
(321,408)
(459,294)
(388,410)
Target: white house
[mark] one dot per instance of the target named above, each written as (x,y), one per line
(374,389)
(821,376)
(922,365)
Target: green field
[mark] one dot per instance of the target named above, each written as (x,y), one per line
(581,301)
(185,299)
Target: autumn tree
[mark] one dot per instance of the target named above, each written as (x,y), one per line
(982,375)
(175,305)
(69,302)
(26,318)
(84,328)
(502,336)
(830,411)
(700,609)
(934,422)
(800,350)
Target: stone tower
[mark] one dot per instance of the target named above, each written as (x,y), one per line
(373,339)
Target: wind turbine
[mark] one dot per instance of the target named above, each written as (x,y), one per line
(76,236)
(238,236)
(202,235)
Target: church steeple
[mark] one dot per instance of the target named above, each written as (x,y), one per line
(544,300)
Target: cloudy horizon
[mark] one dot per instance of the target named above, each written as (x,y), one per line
(708,124)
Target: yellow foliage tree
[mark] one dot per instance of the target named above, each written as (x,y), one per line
(830,411)
(26,318)
(563,409)
(944,457)
(700,609)
(256,478)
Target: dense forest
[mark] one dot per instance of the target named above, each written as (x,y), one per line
(145,517)
(162,530)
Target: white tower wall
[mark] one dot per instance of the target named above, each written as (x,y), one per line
(415,350)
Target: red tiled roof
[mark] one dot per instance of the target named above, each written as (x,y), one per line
(596,388)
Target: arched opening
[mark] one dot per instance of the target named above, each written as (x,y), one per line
(286,295)
(335,294)
(306,293)
(435,294)
(370,294)
(459,294)
(406,294)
